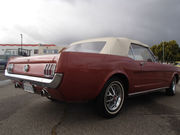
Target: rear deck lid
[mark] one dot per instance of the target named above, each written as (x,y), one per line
(39,66)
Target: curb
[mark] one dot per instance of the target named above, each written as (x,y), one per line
(5,82)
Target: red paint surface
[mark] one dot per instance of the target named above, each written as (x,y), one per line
(36,64)
(84,74)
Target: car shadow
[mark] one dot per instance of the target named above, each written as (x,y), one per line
(142,104)
(137,104)
(82,118)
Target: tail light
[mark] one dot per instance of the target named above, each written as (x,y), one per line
(49,70)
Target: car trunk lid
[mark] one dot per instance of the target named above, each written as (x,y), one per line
(36,65)
(35,59)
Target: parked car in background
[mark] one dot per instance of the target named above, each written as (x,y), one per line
(4,60)
(105,69)
(177,63)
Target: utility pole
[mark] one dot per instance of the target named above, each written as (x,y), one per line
(163,51)
(21,42)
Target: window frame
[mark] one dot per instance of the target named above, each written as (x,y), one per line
(150,52)
(131,50)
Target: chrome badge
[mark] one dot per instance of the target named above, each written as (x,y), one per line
(26,68)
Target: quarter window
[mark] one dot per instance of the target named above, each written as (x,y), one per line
(142,53)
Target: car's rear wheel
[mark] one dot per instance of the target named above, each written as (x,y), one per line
(111,98)
(171,91)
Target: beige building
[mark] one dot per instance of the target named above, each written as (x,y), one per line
(49,49)
(34,49)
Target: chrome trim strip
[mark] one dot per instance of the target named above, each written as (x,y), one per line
(152,54)
(48,70)
(45,82)
(132,52)
(53,69)
(147,91)
(45,70)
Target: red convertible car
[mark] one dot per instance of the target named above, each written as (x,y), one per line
(105,69)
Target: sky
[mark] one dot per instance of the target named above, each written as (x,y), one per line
(62,22)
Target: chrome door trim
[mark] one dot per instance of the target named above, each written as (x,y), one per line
(147,91)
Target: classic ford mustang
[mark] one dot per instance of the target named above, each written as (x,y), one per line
(105,69)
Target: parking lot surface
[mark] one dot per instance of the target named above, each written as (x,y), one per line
(22,113)
(2,77)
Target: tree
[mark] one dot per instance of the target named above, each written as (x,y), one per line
(171,51)
(178,55)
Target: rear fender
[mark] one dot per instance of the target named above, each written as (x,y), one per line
(111,74)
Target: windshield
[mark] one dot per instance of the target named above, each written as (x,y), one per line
(91,47)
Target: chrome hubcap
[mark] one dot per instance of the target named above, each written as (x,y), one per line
(114,96)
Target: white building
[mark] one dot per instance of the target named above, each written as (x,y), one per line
(35,49)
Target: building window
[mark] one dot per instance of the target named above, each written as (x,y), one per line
(8,52)
(36,51)
(55,51)
(44,51)
(49,51)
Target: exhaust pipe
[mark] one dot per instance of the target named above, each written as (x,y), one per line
(17,85)
(44,92)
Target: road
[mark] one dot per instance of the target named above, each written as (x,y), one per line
(23,113)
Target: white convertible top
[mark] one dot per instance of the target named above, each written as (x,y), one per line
(114,45)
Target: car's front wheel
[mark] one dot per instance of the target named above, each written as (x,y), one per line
(111,98)
(171,91)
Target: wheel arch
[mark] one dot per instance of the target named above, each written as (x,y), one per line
(120,75)
(124,80)
(177,77)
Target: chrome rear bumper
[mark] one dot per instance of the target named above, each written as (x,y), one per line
(44,82)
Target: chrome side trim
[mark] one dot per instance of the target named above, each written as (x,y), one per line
(44,82)
(147,91)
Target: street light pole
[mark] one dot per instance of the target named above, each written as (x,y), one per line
(21,42)
(163,51)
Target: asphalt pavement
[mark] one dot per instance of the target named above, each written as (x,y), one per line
(23,113)
(2,77)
